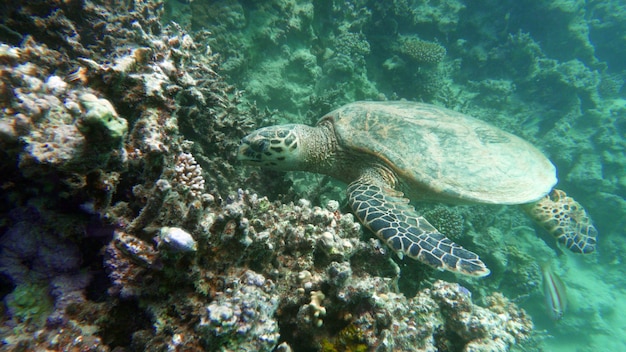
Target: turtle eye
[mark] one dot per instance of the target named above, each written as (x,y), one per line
(259,145)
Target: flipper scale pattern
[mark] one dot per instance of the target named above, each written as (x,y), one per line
(387,213)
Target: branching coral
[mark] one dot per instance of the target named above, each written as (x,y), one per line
(420,51)
(352,45)
(189,175)
(448,221)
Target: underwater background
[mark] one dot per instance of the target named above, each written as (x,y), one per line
(127,224)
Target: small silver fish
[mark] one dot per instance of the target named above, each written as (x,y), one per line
(554,292)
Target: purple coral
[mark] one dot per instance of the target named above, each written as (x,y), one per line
(67,290)
(30,252)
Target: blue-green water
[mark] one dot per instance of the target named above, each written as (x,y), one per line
(552,72)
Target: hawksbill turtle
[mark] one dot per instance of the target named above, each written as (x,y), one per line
(392,152)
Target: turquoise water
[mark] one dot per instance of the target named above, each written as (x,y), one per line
(551,72)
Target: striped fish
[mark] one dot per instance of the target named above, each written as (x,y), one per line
(554,292)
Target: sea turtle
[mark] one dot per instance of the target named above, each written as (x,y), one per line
(390,152)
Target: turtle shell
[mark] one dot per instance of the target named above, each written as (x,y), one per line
(441,154)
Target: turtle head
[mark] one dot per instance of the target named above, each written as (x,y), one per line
(276,147)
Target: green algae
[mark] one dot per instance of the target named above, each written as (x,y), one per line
(349,339)
(30,303)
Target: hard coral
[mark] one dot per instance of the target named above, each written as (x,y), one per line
(189,175)
(88,127)
(447,220)
(243,316)
(495,328)
(420,51)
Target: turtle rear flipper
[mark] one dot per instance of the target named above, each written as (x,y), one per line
(387,213)
(566,220)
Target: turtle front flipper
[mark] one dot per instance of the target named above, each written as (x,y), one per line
(566,220)
(387,213)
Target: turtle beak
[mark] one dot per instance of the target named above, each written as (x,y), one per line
(251,148)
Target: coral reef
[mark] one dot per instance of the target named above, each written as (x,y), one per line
(420,51)
(189,175)
(32,253)
(91,147)
(447,221)
(245,311)
(29,303)
(127,225)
